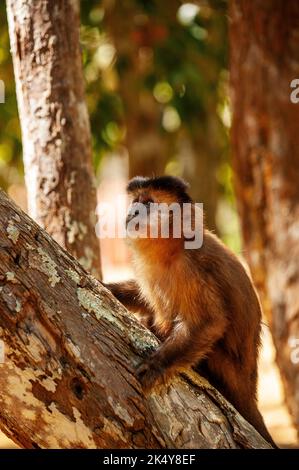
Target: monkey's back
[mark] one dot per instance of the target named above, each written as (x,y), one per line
(232,364)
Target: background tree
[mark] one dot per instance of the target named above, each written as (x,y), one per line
(265,144)
(44,39)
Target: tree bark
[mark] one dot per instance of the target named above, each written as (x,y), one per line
(59,176)
(70,352)
(265,142)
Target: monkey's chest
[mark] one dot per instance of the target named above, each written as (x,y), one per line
(166,287)
(165,294)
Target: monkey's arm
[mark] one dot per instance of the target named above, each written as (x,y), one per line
(128,294)
(185,346)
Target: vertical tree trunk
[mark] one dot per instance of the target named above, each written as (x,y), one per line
(264,60)
(55,126)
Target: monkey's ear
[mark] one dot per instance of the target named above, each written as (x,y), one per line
(137,182)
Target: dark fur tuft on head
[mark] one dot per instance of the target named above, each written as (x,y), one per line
(169,184)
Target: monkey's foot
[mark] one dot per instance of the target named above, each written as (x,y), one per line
(150,375)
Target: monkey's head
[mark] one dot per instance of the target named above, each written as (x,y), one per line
(163,189)
(155,210)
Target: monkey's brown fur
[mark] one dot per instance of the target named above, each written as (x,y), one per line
(201,303)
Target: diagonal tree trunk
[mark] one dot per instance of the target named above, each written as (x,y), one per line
(70,351)
(47,61)
(265,141)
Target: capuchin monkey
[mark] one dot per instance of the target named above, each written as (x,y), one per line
(199,302)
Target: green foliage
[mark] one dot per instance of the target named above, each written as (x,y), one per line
(187,63)
(10,135)
(188,58)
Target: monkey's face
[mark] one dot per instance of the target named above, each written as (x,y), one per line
(155,208)
(147,214)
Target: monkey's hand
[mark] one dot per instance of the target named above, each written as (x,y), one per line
(183,348)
